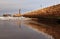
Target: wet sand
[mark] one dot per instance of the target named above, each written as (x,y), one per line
(48,27)
(15,29)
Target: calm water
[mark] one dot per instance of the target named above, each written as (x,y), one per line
(14,29)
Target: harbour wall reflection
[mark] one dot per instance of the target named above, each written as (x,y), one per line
(49,27)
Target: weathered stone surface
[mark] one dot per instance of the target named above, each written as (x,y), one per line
(48,12)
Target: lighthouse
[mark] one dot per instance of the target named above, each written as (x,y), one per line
(18,15)
(19,11)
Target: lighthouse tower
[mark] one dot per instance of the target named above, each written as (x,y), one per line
(19,11)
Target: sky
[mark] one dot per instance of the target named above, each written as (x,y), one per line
(12,6)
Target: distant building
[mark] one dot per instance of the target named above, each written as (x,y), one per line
(17,15)
(6,15)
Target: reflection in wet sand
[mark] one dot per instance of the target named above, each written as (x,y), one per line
(28,29)
(19,23)
(52,29)
(11,29)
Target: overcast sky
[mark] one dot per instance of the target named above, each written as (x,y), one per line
(26,5)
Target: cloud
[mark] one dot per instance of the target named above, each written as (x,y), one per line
(26,4)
